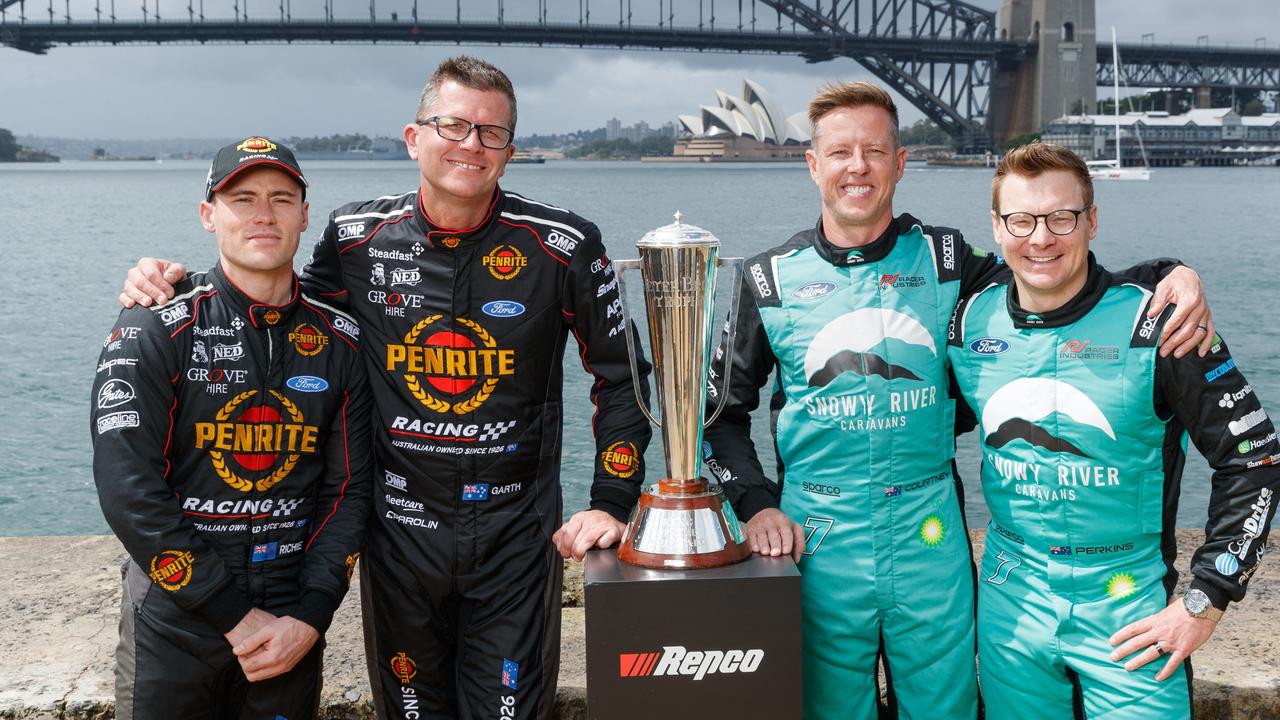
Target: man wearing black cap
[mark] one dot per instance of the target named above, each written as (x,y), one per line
(231,454)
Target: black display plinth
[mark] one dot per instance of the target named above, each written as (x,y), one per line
(676,644)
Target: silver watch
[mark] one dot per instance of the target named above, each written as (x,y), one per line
(1198,605)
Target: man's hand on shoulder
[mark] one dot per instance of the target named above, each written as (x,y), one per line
(770,532)
(151,282)
(276,648)
(585,530)
(1191,324)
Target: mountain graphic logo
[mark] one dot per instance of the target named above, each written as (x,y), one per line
(846,345)
(1014,411)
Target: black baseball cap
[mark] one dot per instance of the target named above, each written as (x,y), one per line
(250,152)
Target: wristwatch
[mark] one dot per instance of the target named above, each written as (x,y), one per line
(1198,605)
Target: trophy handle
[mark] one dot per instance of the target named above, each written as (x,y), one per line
(735,265)
(620,267)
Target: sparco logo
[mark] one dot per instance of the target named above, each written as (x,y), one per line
(949,251)
(1148,328)
(762,284)
(675,660)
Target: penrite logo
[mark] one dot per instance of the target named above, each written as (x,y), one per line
(308,340)
(505,262)
(256,438)
(256,145)
(351,564)
(171,569)
(404,668)
(621,459)
(453,364)
(271,317)
(676,660)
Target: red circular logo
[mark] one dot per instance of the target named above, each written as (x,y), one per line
(621,459)
(453,341)
(257,460)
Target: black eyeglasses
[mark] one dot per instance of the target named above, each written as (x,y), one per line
(1059,222)
(494,137)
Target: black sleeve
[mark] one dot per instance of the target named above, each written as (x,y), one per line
(1151,272)
(1211,398)
(732,453)
(593,309)
(322,277)
(978,268)
(131,423)
(343,501)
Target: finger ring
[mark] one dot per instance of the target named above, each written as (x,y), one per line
(1159,650)
(1203,327)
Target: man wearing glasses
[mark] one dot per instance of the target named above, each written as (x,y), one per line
(466,295)
(1084,428)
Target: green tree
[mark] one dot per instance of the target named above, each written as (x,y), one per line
(1253,108)
(924,132)
(8,146)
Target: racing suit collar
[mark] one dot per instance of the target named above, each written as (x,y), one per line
(447,238)
(875,250)
(1095,285)
(260,314)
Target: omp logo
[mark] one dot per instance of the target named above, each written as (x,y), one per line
(762,283)
(505,262)
(563,243)
(171,569)
(176,313)
(675,660)
(343,325)
(350,230)
(464,366)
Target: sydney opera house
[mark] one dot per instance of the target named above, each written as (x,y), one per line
(747,128)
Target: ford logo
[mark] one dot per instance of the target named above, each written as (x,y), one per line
(814,290)
(988,346)
(307,383)
(503,308)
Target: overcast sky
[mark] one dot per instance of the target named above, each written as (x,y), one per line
(232,90)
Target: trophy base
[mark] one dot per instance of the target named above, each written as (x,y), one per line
(683,525)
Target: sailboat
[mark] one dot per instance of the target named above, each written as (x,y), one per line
(1114,169)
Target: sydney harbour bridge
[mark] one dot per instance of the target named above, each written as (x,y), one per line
(982,76)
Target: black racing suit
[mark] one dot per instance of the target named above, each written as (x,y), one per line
(231,455)
(464,333)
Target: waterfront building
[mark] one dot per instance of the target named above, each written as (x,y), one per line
(746,128)
(1207,136)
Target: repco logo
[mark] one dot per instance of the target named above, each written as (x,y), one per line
(465,365)
(253,438)
(676,660)
(621,459)
(505,262)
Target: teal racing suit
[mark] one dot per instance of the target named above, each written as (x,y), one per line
(1084,432)
(863,426)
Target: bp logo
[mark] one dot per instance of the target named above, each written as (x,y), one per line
(450,370)
(256,145)
(404,668)
(171,569)
(248,439)
(1121,585)
(932,531)
(621,459)
(505,262)
(308,340)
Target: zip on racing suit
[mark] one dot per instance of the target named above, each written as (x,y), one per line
(1084,433)
(863,427)
(231,456)
(464,334)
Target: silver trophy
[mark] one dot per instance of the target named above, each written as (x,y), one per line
(683,521)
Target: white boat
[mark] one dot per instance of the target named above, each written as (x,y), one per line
(1114,169)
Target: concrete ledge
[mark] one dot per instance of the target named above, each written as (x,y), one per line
(60,606)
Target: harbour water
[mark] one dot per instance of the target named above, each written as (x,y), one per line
(69,232)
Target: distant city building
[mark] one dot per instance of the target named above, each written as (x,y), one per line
(612,129)
(750,127)
(1208,136)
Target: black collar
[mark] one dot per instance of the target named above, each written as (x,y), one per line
(1095,285)
(449,238)
(260,314)
(873,251)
